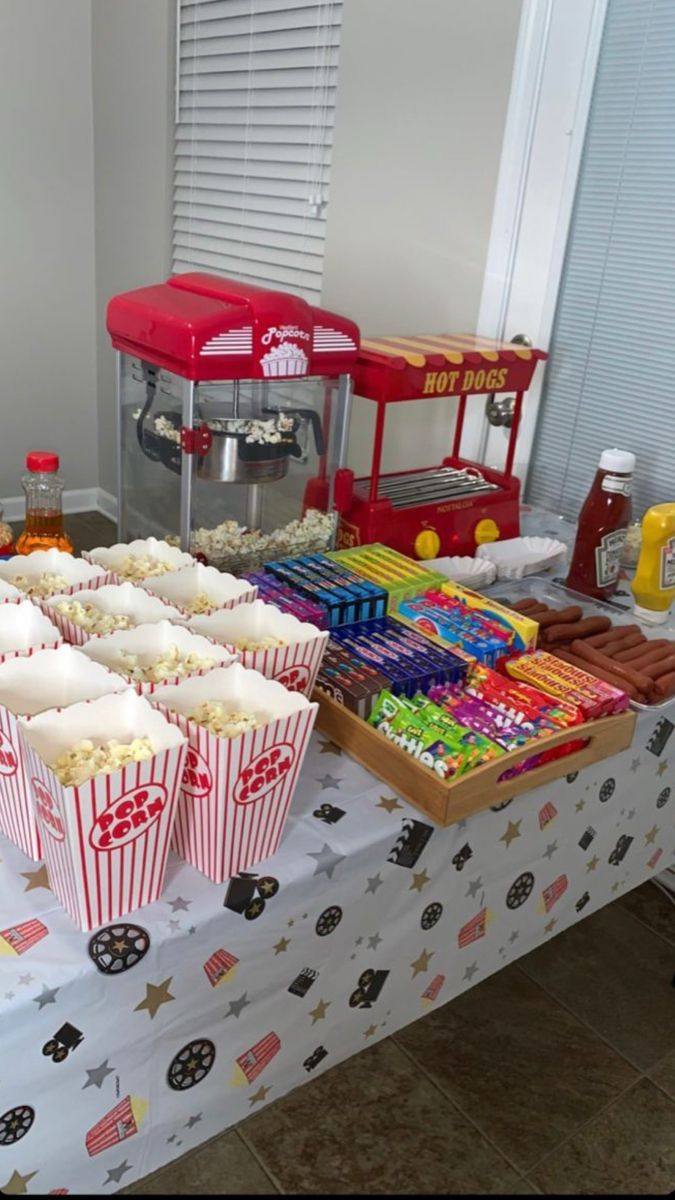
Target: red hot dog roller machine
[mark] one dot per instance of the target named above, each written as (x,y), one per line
(452,507)
(223,383)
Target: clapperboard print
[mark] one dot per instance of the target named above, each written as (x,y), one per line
(410,843)
(587,837)
(659,738)
(303,982)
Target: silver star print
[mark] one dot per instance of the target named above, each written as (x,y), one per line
(193,1120)
(326,860)
(474,887)
(550,850)
(47,996)
(513,937)
(26,979)
(374,941)
(192,929)
(97,1075)
(115,1173)
(630,814)
(237,1006)
(9,995)
(179,904)
(328,781)
(358,941)
(470,971)
(174,926)
(374,884)
(635,765)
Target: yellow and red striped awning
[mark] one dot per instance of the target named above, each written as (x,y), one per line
(426,349)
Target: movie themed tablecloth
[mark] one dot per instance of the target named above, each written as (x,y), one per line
(123,1049)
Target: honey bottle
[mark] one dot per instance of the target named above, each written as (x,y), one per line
(44,528)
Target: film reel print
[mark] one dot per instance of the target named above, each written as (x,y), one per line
(431,915)
(117,948)
(328,921)
(191,1065)
(15,1124)
(520,890)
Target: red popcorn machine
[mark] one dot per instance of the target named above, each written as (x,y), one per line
(233,416)
(453,507)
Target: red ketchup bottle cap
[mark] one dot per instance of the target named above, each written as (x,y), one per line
(42,460)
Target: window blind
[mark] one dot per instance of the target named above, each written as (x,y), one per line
(611,375)
(256,104)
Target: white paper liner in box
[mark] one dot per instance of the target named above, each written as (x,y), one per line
(106,842)
(10,594)
(29,685)
(236,792)
(469,572)
(24,629)
(295,665)
(112,557)
(120,599)
(149,642)
(183,586)
(79,572)
(521,556)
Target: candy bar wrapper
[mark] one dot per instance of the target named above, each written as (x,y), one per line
(527,706)
(484,719)
(181,587)
(51,678)
(24,630)
(149,642)
(440,743)
(121,599)
(274,592)
(523,629)
(105,842)
(295,664)
(592,696)
(79,572)
(236,792)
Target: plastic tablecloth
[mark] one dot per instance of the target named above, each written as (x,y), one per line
(124,1049)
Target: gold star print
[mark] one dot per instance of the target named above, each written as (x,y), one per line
(662,767)
(281,945)
(16,1184)
(330,748)
(650,836)
(616,885)
(418,881)
(390,803)
(549,928)
(370,1031)
(422,963)
(260,1095)
(592,863)
(120,946)
(255,908)
(156,995)
(511,832)
(267,887)
(36,879)
(318,1013)
(579,805)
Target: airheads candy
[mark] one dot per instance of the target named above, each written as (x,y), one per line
(128,817)
(264,773)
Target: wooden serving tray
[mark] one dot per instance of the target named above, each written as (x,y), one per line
(447,802)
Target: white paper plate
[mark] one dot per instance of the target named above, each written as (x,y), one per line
(468,572)
(517,557)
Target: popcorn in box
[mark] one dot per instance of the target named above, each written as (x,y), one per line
(201,589)
(105,843)
(45,572)
(152,645)
(30,685)
(139,560)
(236,791)
(111,600)
(9,594)
(24,629)
(295,663)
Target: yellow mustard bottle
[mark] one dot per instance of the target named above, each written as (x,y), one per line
(654,583)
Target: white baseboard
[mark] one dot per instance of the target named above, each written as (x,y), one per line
(76,500)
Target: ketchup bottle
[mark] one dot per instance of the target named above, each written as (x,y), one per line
(603,523)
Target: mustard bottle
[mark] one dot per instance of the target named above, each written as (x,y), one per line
(654,583)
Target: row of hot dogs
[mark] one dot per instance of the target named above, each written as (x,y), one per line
(620,654)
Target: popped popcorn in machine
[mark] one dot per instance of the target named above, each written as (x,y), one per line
(233,410)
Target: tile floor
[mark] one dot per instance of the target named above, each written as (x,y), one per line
(554,1076)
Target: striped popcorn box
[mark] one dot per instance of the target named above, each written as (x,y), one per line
(17,939)
(295,663)
(105,842)
(138,560)
(236,791)
(24,630)
(247,1066)
(45,572)
(28,686)
(554,891)
(111,600)
(151,649)
(9,594)
(201,589)
(120,1123)
(221,967)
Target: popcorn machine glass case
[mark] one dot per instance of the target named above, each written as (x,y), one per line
(233,417)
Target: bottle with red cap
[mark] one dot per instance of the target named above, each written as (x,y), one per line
(43,486)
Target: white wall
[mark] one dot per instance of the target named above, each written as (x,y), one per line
(422,96)
(132,67)
(47,330)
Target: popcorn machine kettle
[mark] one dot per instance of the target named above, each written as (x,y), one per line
(222,382)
